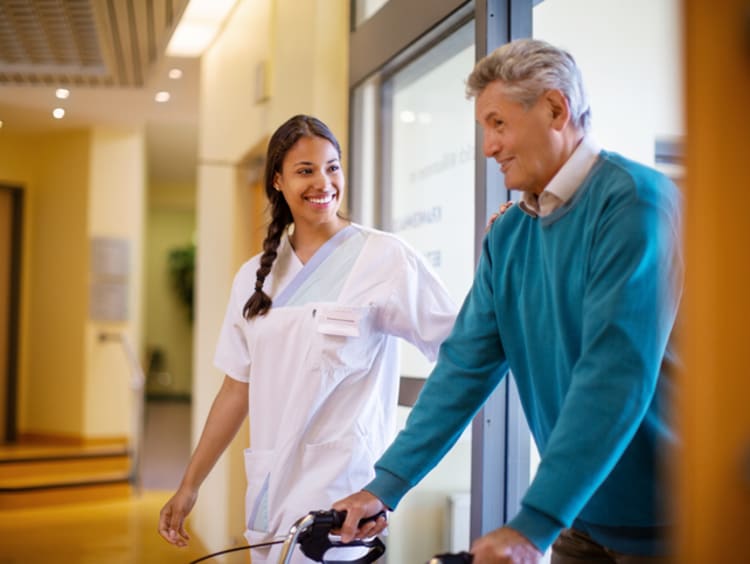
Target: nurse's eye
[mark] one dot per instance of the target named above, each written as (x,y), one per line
(304,171)
(333,168)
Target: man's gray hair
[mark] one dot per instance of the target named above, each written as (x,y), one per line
(528,68)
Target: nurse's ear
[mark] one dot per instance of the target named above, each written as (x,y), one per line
(276,180)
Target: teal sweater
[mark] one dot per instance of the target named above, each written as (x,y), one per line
(580,305)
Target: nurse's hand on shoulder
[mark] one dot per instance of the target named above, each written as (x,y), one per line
(504,546)
(358,506)
(503,208)
(172,517)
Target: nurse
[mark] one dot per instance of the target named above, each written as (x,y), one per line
(309,346)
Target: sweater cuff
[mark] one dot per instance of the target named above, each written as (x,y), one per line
(387,487)
(538,527)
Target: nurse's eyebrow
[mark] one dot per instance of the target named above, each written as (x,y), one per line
(308,163)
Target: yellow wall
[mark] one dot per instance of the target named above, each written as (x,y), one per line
(77,184)
(53,385)
(170,225)
(304,46)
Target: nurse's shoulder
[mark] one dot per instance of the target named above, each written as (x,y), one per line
(388,247)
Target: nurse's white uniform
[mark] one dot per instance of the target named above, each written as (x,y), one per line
(323,369)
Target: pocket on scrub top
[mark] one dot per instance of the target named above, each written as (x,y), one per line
(340,466)
(260,554)
(257,472)
(347,339)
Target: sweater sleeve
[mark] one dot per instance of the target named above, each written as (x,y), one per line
(629,308)
(470,364)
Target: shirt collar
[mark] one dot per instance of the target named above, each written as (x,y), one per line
(565,183)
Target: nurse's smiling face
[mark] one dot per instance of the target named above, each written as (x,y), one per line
(312,182)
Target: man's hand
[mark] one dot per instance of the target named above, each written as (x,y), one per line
(505,546)
(358,506)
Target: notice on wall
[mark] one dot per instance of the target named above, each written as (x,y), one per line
(109,281)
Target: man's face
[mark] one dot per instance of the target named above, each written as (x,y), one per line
(523,141)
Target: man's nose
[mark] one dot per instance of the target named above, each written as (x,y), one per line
(490,145)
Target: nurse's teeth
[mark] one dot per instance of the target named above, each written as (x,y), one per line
(324,200)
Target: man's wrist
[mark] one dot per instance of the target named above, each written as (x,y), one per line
(539,528)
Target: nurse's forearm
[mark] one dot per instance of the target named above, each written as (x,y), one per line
(227,414)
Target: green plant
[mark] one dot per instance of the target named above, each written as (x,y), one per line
(182,272)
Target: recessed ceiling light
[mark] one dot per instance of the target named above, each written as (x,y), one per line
(174,74)
(58,113)
(62,93)
(162,96)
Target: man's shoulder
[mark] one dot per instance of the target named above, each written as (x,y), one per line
(621,176)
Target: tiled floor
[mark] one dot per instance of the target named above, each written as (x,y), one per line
(113,532)
(166,445)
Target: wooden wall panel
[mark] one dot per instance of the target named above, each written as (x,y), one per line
(713,469)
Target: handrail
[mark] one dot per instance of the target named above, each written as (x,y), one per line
(137,385)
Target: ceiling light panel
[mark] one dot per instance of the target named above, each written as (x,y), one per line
(84,42)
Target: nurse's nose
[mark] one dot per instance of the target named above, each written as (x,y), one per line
(319,178)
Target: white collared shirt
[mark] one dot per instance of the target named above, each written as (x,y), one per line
(564,184)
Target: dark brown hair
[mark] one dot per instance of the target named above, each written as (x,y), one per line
(281,141)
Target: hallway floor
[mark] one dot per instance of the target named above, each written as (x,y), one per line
(111,532)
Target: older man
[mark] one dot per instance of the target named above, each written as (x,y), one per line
(577,292)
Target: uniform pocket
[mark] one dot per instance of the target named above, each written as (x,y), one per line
(340,467)
(347,338)
(257,472)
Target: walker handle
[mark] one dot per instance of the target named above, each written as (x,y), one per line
(340,516)
(450,558)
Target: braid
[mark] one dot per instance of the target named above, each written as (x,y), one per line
(259,302)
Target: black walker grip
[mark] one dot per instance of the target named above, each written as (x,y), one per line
(340,516)
(450,558)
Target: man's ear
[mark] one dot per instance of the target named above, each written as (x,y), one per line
(558,107)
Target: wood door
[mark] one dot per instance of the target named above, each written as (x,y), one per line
(713,494)
(6,226)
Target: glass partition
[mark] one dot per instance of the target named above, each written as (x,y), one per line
(430,151)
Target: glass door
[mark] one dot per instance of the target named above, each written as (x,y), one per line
(412,170)
(429,189)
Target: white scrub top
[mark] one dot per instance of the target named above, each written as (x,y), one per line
(323,368)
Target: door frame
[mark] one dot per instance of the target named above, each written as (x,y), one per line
(14,312)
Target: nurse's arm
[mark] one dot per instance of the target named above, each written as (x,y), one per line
(228,411)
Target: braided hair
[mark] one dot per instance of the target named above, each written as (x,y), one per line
(279,145)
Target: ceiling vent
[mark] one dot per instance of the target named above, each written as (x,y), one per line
(84,42)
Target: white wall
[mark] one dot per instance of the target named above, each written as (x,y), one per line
(631,58)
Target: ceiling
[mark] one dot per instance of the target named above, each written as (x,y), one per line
(110,55)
